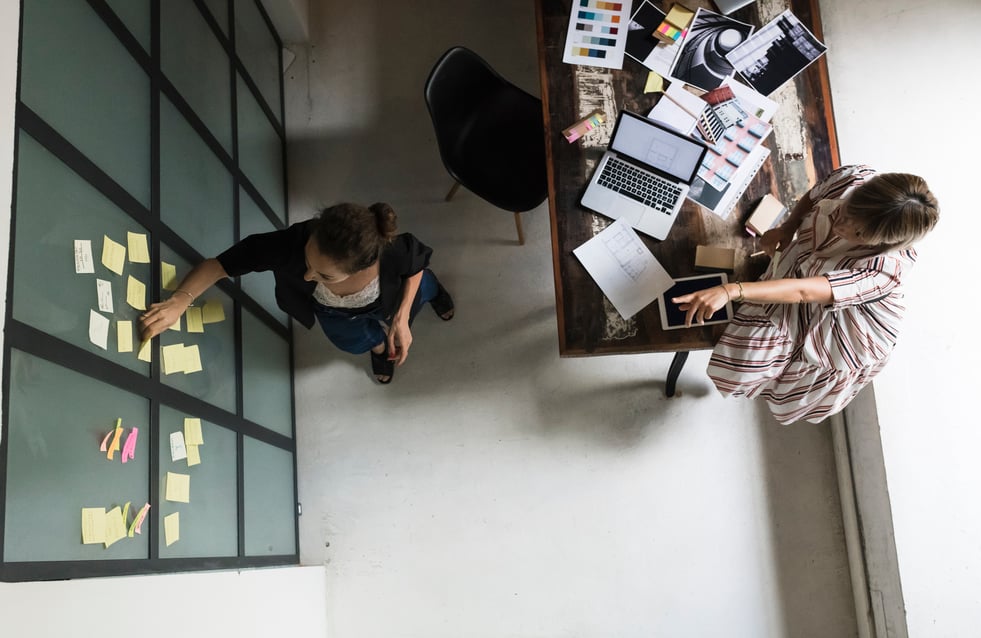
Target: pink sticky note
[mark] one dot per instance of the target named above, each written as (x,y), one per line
(129,449)
(105,441)
(141,517)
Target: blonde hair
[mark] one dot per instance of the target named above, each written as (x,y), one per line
(893,209)
(353,236)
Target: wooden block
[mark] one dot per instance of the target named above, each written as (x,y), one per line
(765,216)
(714,259)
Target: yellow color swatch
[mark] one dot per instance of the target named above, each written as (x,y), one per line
(193,455)
(178,487)
(113,255)
(93,525)
(172,528)
(168,276)
(124,336)
(195,321)
(146,352)
(115,526)
(192,359)
(139,253)
(136,293)
(192,431)
(213,312)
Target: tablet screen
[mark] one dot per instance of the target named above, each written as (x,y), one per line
(672,317)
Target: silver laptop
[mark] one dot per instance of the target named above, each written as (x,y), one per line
(644,175)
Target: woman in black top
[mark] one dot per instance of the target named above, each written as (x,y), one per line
(346,268)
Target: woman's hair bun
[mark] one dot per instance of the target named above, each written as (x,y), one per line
(386,219)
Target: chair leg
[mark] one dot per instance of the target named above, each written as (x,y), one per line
(521,232)
(453,190)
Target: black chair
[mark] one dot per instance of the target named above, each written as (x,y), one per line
(490,133)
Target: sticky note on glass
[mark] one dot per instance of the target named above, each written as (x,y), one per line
(124,336)
(116,434)
(145,353)
(98,330)
(193,455)
(192,359)
(136,293)
(173,358)
(178,487)
(83,256)
(104,291)
(168,276)
(138,521)
(115,526)
(139,252)
(213,312)
(178,450)
(172,528)
(192,431)
(93,525)
(195,321)
(176,326)
(113,255)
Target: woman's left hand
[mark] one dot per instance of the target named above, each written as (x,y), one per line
(399,340)
(701,305)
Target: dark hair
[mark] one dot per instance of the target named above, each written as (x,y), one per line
(354,236)
(893,209)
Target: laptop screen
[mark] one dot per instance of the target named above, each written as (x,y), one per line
(664,149)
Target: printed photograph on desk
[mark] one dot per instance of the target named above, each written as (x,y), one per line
(776,54)
(702,61)
(597,33)
(643,46)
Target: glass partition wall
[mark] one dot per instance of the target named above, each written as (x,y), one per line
(149,136)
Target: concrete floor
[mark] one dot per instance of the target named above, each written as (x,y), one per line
(494,489)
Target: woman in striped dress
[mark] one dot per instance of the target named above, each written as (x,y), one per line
(824,317)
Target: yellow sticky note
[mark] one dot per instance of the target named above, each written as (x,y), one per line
(168,276)
(145,353)
(178,487)
(115,526)
(136,293)
(173,358)
(113,255)
(176,327)
(172,528)
(124,336)
(213,312)
(655,83)
(193,455)
(195,321)
(192,431)
(139,252)
(192,359)
(93,525)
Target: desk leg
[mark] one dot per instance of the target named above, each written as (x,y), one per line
(674,372)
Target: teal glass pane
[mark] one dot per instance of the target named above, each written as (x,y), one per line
(260,151)
(219,10)
(261,286)
(196,197)
(257,49)
(267,393)
(196,64)
(215,382)
(135,14)
(77,76)
(58,418)
(209,522)
(55,207)
(270,502)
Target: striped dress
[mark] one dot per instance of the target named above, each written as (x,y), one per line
(809,360)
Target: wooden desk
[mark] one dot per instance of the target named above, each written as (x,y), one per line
(803,148)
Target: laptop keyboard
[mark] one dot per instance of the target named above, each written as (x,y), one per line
(646,188)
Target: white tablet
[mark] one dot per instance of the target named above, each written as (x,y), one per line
(673,318)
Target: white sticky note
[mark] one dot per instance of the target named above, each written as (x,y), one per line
(124,336)
(104,290)
(83,256)
(178,450)
(98,330)
(139,253)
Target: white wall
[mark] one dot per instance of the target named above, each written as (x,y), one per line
(900,93)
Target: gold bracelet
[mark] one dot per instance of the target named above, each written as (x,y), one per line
(741,296)
(184,292)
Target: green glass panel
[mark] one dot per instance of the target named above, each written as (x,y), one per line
(55,207)
(57,419)
(267,392)
(208,523)
(270,502)
(135,14)
(80,79)
(261,286)
(219,9)
(215,383)
(195,188)
(196,64)
(257,49)
(260,151)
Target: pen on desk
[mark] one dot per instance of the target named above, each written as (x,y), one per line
(757,253)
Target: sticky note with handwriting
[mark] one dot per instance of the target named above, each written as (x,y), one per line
(115,526)
(139,253)
(104,291)
(192,431)
(178,450)
(192,359)
(136,293)
(113,255)
(178,487)
(195,322)
(93,525)
(83,256)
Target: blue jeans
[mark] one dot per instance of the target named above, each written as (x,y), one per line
(358,330)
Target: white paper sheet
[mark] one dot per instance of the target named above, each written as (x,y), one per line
(98,330)
(83,256)
(597,34)
(624,268)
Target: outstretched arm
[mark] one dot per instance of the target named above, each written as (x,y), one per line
(701,305)
(166,313)
(400,336)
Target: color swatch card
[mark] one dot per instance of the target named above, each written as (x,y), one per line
(597,33)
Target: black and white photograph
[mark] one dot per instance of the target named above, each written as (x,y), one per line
(640,40)
(776,53)
(702,61)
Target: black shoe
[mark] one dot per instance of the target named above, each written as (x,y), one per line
(382,366)
(442,303)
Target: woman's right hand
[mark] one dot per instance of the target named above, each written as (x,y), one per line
(776,239)
(162,315)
